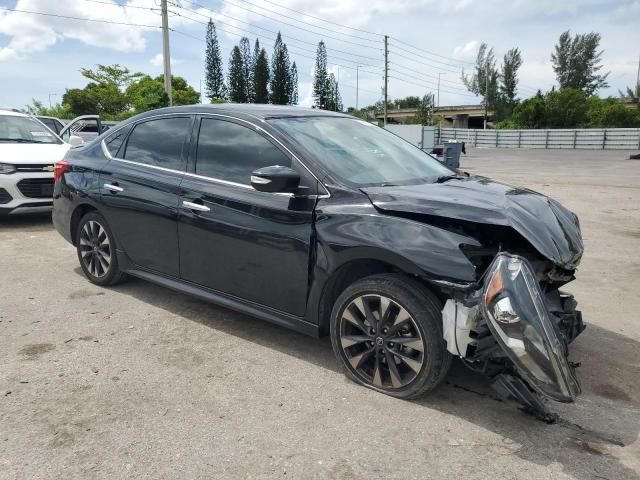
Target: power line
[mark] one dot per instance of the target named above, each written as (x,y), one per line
(280,14)
(268,38)
(437,67)
(185,34)
(429,87)
(455,85)
(113,22)
(322,19)
(432,53)
(263,28)
(298,27)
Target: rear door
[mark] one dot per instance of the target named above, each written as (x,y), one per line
(141,190)
(234,239)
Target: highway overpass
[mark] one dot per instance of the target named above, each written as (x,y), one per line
(462,116)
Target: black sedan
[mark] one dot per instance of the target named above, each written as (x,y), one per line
(332,226)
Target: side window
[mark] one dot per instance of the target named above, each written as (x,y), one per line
(159,142)
(115,141)
(230,152)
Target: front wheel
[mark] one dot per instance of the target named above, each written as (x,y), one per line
(97,251)
(386,331)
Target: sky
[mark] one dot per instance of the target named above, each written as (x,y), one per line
(41,55)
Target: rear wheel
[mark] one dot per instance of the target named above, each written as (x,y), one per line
(386,330)
(97,250)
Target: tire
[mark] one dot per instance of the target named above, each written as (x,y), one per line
(397,341)
(96,249)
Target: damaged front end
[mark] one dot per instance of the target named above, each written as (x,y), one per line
(517,334)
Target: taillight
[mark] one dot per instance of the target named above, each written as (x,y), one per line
(59,168)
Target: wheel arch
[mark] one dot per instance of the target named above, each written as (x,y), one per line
(355,269)
(79,212)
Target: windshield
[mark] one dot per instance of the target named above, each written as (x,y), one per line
(15,129)
(361,153)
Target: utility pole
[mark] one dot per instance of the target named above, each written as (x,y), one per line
(51,94)
(386,75)
(357,67)
(439,75)
(638,79)
(486,93)
(165,50)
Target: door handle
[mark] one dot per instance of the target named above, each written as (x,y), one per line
(195,206)
(113,188)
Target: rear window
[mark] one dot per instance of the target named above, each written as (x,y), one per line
(159,142)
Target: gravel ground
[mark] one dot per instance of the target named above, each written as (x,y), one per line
(138,381)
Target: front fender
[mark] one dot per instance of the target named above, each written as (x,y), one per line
(348,233)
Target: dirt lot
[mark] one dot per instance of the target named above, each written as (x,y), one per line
(141,382)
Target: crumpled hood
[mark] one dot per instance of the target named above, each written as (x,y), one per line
(551,229)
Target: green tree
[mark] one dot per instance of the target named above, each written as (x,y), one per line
(214,77)
(148,93)
(280,84)
(236,77)
(426,107)
(80,102)
(334,99)
(59,110)
(293,97)
(610,113)
(116,75)
(565,108)
(321,78)
(577,62)
(484,80)
(530,113)
(631,94)
(261,78)
(247,67)
(407,102)
(508,87)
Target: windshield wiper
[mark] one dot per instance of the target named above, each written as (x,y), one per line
(445,178)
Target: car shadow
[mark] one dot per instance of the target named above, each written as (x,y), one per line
(32,222)
(589,441)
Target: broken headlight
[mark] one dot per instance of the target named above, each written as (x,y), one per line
(515,311)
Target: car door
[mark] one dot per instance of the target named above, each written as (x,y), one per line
(234,239)
(141,190)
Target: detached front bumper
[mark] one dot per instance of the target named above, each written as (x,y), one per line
(520,332)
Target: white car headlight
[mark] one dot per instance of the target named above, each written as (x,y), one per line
(7,168)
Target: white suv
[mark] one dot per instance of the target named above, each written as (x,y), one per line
(28,151)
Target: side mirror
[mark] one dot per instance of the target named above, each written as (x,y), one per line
(275,179)
(75,140)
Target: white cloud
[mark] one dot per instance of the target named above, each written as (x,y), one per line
(157,60)
(31,33)
(467,52)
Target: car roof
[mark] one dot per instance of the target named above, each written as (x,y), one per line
(260,111)
(12,113)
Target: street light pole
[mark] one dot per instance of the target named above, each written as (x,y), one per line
(54,94)
(357,67)
(439,75)
(386,76)
(165,50)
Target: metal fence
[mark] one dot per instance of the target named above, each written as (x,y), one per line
(591,138)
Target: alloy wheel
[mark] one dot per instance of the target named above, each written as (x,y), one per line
(381,342)
(95,249)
